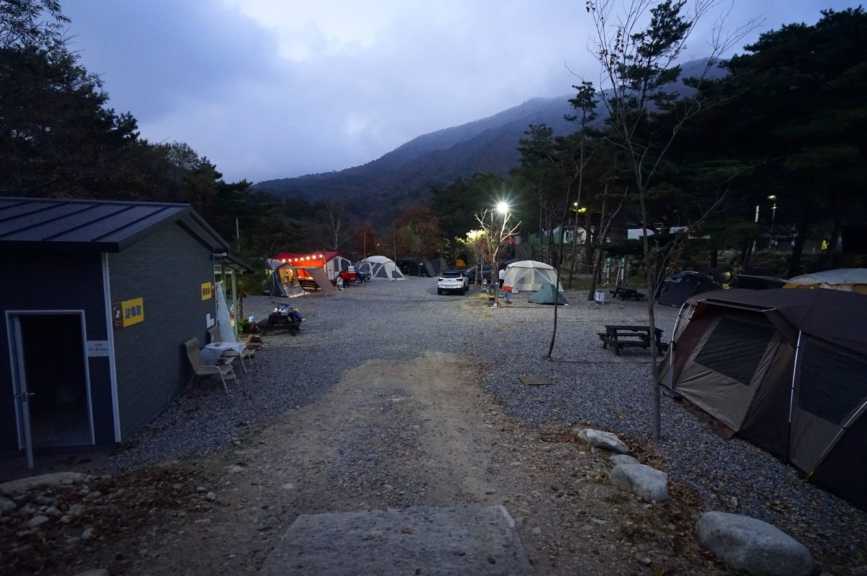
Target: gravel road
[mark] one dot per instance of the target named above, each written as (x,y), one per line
(377,404)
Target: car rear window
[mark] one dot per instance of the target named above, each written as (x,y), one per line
(452,275)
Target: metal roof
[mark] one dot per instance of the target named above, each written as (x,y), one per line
(106,226)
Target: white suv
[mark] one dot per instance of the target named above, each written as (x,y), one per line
(453,281)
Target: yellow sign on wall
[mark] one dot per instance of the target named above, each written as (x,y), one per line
(131,312)
(207,290)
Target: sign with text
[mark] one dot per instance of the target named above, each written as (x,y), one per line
(207,290)
(131,312)
(97,348)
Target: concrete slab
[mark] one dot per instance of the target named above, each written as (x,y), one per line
(533,380)
(428,541)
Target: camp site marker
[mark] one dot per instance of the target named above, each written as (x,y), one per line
(207,290)
(128,313)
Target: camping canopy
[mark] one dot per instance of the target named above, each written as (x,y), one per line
(528,276)
(678,287)
(379,268)
(846,279)
(547,294)
(787,371)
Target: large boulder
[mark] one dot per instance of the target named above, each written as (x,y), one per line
(752,546)
(602,439)
(622,459)
(645,482)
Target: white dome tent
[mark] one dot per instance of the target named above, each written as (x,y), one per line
(379,268)
(528,276)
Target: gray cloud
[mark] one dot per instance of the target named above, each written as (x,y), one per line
(267,88)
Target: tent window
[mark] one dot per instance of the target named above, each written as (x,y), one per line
(832,383)
(381,272)
(735,348)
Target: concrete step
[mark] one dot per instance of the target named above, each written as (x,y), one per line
(423,540)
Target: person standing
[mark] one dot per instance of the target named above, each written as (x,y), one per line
(502,276)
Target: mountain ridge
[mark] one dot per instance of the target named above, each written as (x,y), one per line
(488,144)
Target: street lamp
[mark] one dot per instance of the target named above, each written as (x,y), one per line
(503,207)
(773,200)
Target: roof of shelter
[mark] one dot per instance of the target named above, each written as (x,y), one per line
(378,259)
(839,276)
(831,315)
(530,264)
(100,225)
(326,255)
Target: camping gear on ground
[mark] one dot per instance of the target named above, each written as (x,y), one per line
(350,276)
(379,268)
(618,337)
(785,370)
(600,296)
(285,317)
(627,294)
(547,294)
(678,287)
(221,368)
(845,279)
(529,276)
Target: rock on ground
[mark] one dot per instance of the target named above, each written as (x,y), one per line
(602,439)
(6,505)
(42,481)
(752,546)
(645,482)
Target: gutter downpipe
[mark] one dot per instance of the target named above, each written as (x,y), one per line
(792,396)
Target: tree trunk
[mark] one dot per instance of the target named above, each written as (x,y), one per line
(651,274)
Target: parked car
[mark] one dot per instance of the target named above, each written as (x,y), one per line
(453,281)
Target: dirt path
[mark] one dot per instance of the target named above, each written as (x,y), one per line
(393,434)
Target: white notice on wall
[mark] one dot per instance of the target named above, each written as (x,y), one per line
(97,348)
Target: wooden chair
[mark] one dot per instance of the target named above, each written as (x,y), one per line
(224,371)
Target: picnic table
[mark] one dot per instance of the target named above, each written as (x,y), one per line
(625,336)
(627,294)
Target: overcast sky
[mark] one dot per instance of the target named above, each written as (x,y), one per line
(273,88)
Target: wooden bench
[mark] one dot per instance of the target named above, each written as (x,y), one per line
(623,336)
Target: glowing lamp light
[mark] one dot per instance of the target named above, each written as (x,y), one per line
(503,207)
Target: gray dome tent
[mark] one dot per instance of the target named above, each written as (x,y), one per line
(785,370)
(379,268)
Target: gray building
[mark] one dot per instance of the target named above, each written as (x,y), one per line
(96,301)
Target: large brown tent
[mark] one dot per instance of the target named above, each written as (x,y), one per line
(787,371)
